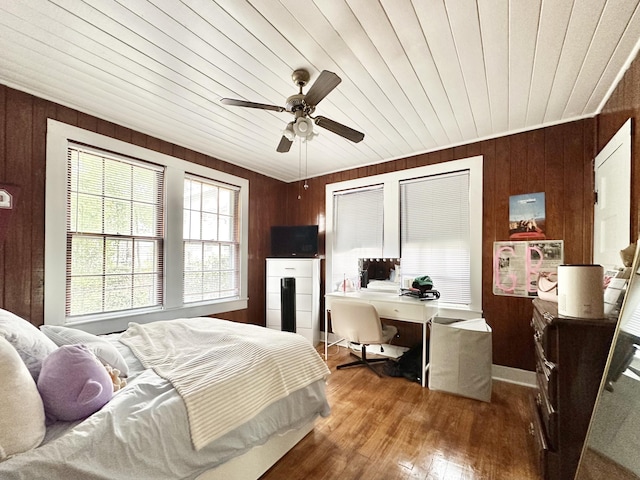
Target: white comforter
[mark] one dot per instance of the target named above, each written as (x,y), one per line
(143,433)
(226,372)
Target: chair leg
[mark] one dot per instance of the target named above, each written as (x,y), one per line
(363,361)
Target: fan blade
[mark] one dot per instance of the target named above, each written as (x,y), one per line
(338,128)
(243,103)
(326,82)
(285,145)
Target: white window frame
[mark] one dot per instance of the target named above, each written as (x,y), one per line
(58,137)
(391,242)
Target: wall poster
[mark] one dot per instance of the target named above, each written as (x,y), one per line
(527,217)
(516,265)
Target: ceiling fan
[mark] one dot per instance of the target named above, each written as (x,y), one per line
(302,106)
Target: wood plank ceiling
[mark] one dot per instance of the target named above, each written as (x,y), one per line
(417,75)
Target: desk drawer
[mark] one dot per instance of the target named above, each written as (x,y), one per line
(400,311)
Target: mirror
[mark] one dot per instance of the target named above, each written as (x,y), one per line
(613,441)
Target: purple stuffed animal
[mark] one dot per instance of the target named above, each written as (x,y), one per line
(73,383)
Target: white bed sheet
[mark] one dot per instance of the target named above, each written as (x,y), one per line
(143,433)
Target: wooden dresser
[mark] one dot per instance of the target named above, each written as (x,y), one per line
(571,354)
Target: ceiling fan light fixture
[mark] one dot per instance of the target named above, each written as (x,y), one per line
(303,127)
(302,106)
(289,133)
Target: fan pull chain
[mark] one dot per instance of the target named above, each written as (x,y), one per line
(299,166)
(306,164)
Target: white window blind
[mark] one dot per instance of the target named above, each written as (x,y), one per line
(114,233)
(435,233)
(211,237)
(358,227)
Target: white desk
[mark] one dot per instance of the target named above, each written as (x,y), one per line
(392,306)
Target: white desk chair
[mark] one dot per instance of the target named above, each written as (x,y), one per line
(358,322)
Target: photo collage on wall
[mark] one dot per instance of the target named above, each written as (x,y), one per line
(519,264)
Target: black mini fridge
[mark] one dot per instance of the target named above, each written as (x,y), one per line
(288,304)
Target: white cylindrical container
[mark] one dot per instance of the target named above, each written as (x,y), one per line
(581,291)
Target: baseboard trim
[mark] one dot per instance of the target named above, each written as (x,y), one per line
(518,376)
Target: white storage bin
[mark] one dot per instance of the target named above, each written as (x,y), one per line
(460,358)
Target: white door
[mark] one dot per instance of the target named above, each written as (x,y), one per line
(611,216)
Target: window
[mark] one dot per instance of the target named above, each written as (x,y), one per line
(431,219)
(211,240)
(114,233)
(435,239)
(147,236)
(358,218)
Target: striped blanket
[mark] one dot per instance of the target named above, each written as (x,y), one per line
(226,372)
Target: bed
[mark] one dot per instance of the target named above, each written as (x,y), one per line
(147,430)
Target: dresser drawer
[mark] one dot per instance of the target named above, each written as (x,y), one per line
(549,419)
(289,268)
(538,438)
(273,284)
(303,302)
(273,301)
(547,377)
(274,319)
(548,461)
(303,320)
(303,285)
(545,335)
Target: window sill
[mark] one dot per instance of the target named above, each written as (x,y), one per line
(121,322)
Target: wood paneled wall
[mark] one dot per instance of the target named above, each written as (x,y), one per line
(555,160)
(23,124)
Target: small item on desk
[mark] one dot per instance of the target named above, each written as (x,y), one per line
(422,295)
(430,295)
(422,288)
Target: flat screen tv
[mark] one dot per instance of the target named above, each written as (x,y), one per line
(294,241)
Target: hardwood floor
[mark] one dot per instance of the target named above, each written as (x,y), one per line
(392,429)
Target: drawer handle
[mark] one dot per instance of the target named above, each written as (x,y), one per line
(539,400)
(532,429)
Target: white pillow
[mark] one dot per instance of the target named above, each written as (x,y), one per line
(22,420)
(32,345)
(101,348)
